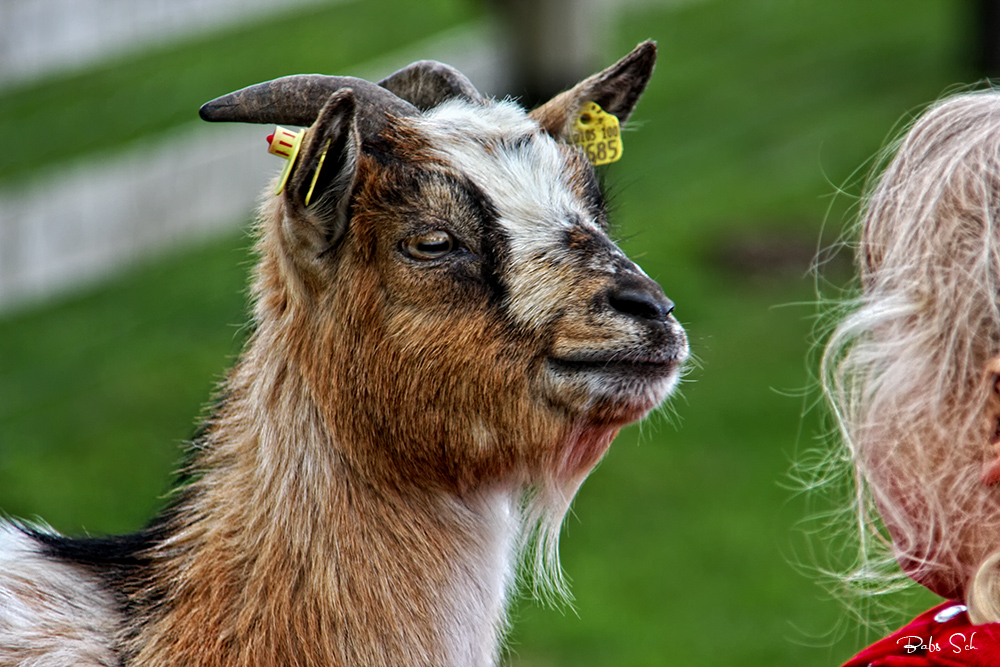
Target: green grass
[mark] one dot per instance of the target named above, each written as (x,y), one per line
(683,546)
(685,550)
(96,395)
(139,95)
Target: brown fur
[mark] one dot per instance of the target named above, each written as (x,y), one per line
(329,547)
(392,436)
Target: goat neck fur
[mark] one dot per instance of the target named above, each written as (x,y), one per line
(446,342)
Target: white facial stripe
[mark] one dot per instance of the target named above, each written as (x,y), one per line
(521,169)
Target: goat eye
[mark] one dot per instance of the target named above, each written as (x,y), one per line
(432,245)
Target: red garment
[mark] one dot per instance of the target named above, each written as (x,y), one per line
(941,637)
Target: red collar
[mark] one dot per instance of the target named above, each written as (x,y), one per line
(941,637)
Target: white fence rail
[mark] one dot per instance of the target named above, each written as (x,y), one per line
(73,226)
(42,36)
(76,224)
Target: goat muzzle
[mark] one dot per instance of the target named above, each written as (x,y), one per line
(641,299)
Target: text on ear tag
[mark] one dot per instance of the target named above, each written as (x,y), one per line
(598,134)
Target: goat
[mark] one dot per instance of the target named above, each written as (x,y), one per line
(445,343)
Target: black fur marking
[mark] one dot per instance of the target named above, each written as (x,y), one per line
(517,144)
(427,199)
(596,204)
(603,201)
(123,563)
(495,240)
(383,150)
(104,555)
(120,560)
(584,242)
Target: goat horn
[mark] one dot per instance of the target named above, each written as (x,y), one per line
(298,99)
(427,83)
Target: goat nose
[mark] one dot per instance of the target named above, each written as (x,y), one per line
(643,302)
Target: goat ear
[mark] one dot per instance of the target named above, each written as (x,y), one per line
(319,188)
(616,90)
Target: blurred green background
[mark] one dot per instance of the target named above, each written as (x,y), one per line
(746,155)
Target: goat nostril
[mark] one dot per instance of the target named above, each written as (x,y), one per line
(642,304)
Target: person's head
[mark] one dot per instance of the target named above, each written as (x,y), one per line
(913,371)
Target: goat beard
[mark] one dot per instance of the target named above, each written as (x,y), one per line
(545,505)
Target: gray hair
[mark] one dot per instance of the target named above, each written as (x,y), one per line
(904,369)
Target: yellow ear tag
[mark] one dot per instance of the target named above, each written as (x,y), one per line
(319,168)
(285,143)
(598,134)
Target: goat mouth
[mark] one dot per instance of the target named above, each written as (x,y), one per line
(613,389)
(615,366)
